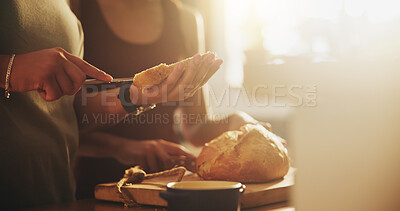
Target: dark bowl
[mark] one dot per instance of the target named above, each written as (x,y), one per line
(203,195)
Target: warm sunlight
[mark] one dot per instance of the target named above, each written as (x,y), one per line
(320,29)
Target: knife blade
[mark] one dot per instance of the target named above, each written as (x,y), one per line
(114,81)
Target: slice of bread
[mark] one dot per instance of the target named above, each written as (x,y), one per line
(156,75)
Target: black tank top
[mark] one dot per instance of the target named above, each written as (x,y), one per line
(123,59)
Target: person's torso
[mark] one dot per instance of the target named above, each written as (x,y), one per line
(120,58)
(38,139)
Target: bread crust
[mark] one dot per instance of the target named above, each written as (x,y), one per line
(252,154)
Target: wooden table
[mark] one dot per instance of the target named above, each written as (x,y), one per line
(93,204)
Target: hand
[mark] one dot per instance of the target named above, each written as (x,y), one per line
(153,155)
(52,72)
(181,84)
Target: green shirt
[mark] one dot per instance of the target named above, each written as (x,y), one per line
(38,139)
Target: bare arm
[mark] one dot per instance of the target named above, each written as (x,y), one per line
(181,84)
(155,155)
(52,72)
(98,109)
(55,72)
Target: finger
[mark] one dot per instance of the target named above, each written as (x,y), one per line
(197,59)
(171,80)
(163,157)
(65,83)
(198,66)
(213,69)
(163,89)
(283,141)
(87,68)
(176,149)
(75,74)
(135,95)
(266,125)
(210,66)
(203,68)
(182,160)
(42,93)
(185,83)
(51,90)
(152,162)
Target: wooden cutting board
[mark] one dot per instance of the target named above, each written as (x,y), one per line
(146,193)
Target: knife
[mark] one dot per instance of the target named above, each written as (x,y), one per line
(114,81)
(182,160)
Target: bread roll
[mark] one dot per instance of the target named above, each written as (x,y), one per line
(156,75)
(251,154)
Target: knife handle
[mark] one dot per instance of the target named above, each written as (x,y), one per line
(189,164)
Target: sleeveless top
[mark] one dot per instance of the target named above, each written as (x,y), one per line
(123,59)
(38,139)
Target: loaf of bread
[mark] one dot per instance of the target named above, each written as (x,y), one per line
(156,75)
(251,154)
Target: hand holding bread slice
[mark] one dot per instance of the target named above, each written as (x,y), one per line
(156,75)
(174,82)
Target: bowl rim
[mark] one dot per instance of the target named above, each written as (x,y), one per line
(218,185)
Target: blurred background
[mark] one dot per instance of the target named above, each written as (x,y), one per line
(326,74)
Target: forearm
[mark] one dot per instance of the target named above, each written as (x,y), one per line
(100,144)
(184,80)
(98,109)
